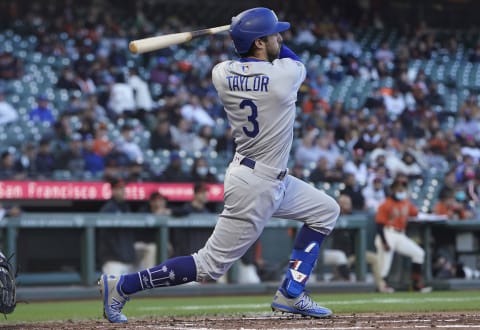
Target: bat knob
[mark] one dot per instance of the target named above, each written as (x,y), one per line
(133,47)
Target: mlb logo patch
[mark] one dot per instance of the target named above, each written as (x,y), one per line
(245,68)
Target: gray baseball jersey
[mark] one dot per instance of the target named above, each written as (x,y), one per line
(259,99)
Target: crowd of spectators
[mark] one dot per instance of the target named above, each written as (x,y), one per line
(156,117)
(76,105)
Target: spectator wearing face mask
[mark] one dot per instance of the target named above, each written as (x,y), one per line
(174,171)
(451,204)
(461,198)
(200,171)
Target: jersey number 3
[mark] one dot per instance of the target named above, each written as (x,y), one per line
(252,118)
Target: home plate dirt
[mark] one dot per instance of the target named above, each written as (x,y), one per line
(447,320)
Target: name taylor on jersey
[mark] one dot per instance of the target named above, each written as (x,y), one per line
(257,83)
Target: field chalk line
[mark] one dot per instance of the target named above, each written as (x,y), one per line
(326,303)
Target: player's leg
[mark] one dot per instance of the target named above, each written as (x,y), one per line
(303,202)
(372,260)
(239,226)
(242,220)
(407,247)
(319,213)
(410,248)
(229,241)
(115,290)
(385,257)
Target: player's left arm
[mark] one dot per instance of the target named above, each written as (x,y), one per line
(412,210)
(293,71)
(286,52)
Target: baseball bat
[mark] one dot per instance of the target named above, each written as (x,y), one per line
(140,46)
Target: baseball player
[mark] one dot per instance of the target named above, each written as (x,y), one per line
(391,218)
(258,92)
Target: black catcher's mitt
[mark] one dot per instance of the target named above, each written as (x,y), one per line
(8,297)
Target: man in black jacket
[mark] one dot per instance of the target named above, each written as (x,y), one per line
(187,240)
(116,245)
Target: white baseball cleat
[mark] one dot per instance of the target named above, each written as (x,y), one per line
(303,305)
(384,288)
(113,298)
(425,289)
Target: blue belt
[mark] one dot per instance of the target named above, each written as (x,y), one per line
(251,163)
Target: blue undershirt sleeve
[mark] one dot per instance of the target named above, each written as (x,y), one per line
(287,52)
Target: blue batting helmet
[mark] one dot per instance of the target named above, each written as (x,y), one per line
(252,24)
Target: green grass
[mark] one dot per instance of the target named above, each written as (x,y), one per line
(339,303)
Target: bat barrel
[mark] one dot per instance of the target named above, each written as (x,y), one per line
(154,43)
